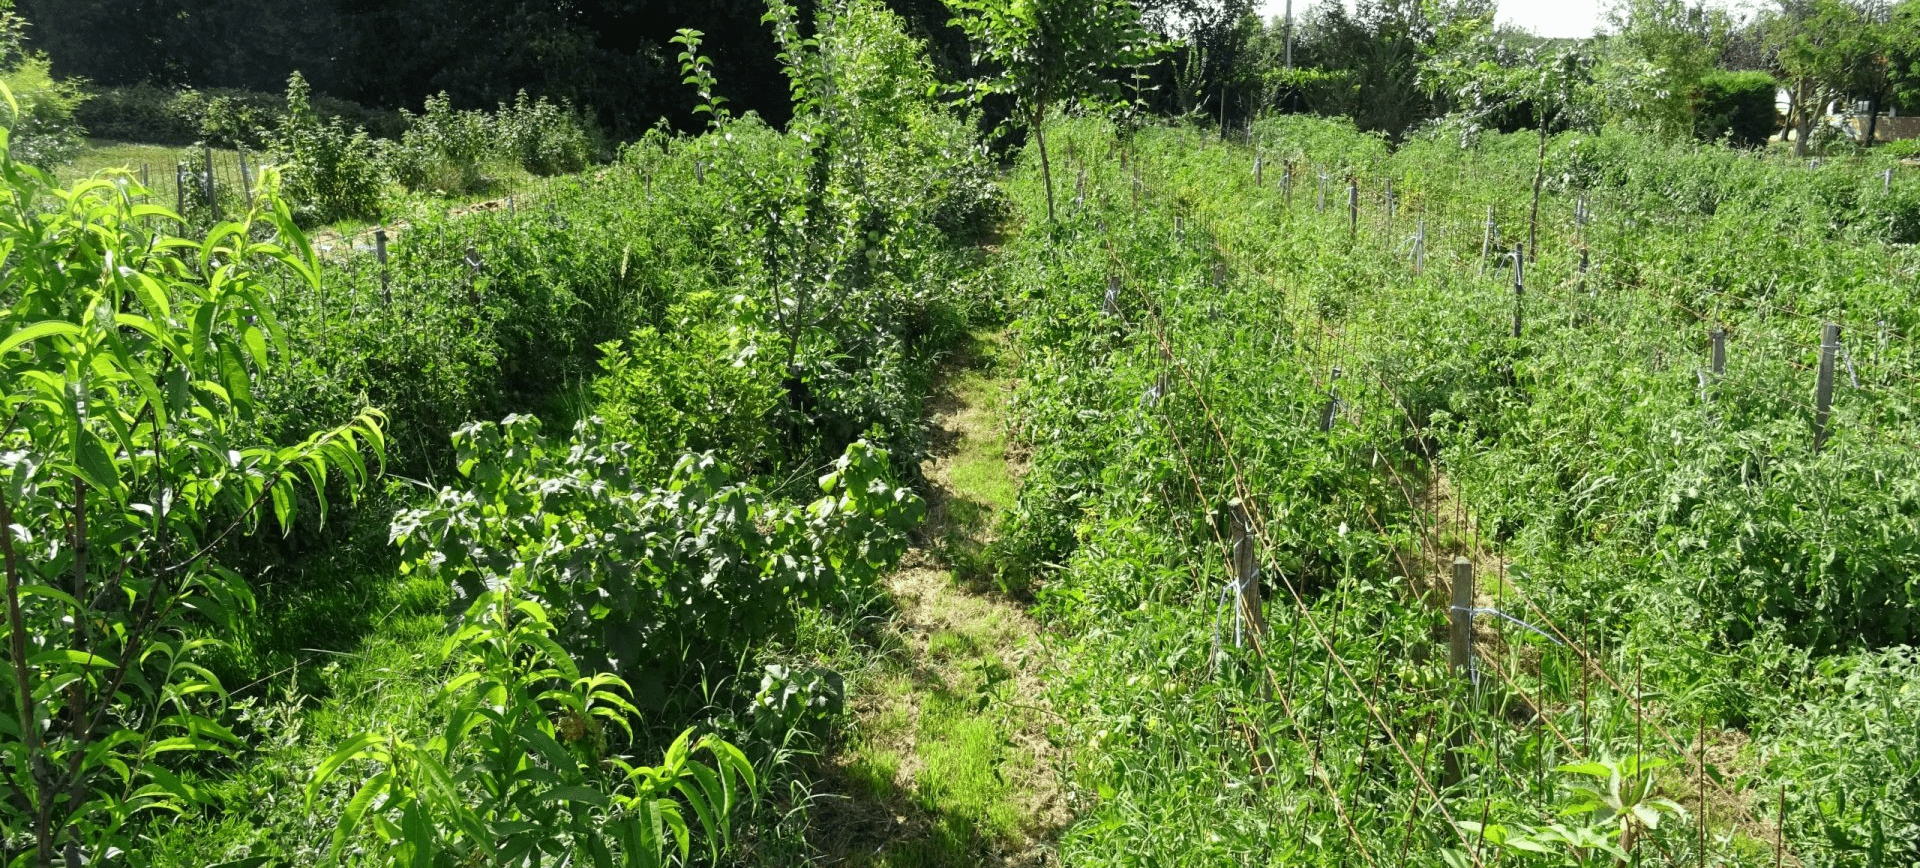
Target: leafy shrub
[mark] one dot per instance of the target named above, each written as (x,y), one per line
(516,699)
(44,132)
(545,138)
(644,581)
(144,113)
(131,361)
(331,174)
(166,116)
(1739,105)
(698,387)
(445,150)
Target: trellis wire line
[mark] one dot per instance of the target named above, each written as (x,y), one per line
(1259,528)
(1586,658)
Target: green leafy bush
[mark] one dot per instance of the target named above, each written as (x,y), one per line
(151,114)
(650,581)
(699,387)
(545,138)
(131,360)
(331,174)
(517,704)
(445,150)
(43,131)
(1738,105)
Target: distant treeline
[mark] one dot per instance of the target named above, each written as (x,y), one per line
(610,55)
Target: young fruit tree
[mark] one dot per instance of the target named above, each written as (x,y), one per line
(129,455)
(1050,52)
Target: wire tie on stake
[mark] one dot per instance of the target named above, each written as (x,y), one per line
(1489,610)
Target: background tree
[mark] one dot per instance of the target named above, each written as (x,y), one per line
(1049,53)
(1378,51)
(1654,60)
(1904,57)
(1810,44)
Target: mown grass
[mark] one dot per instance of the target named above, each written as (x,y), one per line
(158,160)
(256,806)
(937,742)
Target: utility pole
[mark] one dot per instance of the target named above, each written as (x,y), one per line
(1289,35)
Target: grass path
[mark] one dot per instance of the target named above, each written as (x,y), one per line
(947,762)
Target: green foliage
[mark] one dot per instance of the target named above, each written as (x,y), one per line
(330,174)
(445,150)
(43,131)
(1617,799)
(133,359)
(1652,66)
(544,137)
(1738,105)
(698,69)
(1678,528)
(643,581)
(528,733)
(151,114)
(1050,54)
(697,388)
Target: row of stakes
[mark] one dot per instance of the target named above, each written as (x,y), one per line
(1830,345)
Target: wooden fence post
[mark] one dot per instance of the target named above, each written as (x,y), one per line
(212,203)
(180,191)
(1259,174)
(1519,286)
(1420,247)
(1823,386)
(246,183)
(1459,656)
(1353,206)
(1245,577)
(1320,200)
(380,254)
(1719,338)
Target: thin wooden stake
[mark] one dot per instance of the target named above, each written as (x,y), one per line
(1519,286)
(212,204)
(246,183)
(1245,572)
(1420,247)
(380,253)
(1703,790)
(1780,830)
(1459,656)
(1823,386)
(1719,339)
(1353,207)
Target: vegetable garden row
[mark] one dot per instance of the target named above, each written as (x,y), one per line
(1697,646)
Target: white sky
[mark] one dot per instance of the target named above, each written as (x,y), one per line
(1545,17)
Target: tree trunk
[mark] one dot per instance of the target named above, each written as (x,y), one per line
(1046,168)
(1873,118)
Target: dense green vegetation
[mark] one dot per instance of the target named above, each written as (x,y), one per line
(1698,567)
(801,487)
